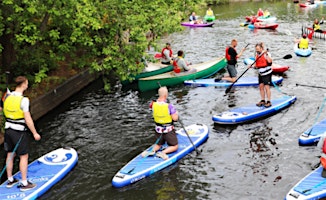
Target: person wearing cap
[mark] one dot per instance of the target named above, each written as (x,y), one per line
(322,146)
(303,42)
(167,54)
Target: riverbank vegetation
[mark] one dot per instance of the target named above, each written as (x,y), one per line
(108,36)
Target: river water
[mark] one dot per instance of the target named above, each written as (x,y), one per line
(259,160)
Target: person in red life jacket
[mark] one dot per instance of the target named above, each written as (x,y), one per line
(164,114)
(260,12)
(180,65)
(231,56)
(264,66)
(167,55)
(322,146)
(18,121)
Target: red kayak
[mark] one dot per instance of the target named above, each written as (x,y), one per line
(279,68)
(263,26)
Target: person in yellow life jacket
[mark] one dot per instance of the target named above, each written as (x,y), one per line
(316,25)
(322,146)
(164,114)
(18,121)
(264,63)
(304,42)
(209,12)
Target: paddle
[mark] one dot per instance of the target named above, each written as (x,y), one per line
(316,120)
(288,56)
(311,34)
(312,86)
(188,136)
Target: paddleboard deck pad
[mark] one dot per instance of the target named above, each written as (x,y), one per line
(44,172)
(252,112)
(141,167)
(243,81)
(312,135)
(312,186)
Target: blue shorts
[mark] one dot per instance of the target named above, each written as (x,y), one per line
(232,70)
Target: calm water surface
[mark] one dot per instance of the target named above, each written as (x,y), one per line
(259,160)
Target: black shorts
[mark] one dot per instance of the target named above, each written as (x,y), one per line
(266,79)
(170,138)
(12,137)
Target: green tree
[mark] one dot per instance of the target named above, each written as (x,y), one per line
(108,35)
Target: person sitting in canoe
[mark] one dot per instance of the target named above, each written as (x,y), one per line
(316,25)
(167,55)
(180,65)
(322,146)
(194,19)
(231,56)
(303,43)
(260,13)
(164,115)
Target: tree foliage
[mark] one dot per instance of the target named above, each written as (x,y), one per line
(106,35)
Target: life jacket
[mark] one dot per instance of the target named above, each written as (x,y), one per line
(261,61)
(11,108)
(304,43)
(260,13)
(171,53)
(161,113)
(176,68)
(316,27)
(209,13)
(227,55)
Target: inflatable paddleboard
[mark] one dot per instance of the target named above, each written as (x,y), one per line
(312,135)
(302,52)
(243,81)
(141,167)
(253,112)
(44,172)
(313,186)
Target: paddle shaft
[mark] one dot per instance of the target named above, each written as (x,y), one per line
(188,136)
(320,110)
(312,86)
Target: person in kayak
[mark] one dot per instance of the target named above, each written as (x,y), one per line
(264,63)
(260,13)
(194,19)
(18,122)
(316,25)
(231,56)
(167,55)
(180,65)
(303,43)
(164,114)
(210,12)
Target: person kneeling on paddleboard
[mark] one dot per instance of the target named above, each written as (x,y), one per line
(321,145)
(164,115)
(264,63)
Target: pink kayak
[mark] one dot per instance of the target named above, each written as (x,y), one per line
(208,24)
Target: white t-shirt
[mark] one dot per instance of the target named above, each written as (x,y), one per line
(25,107)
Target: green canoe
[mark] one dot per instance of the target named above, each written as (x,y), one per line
(204,70)
(152,69)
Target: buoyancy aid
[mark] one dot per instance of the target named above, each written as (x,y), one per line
(316,27)
(161,113)
(227,55)
(11,108)
(324,146)
(176,68)
(170,54)
(261,61)
(304,43)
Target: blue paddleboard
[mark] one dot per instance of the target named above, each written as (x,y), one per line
(313,186)
(141,167)
(44,172)
(243,81)
(252,112)
(312,135)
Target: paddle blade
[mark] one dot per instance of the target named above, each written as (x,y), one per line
(287,56)
(310,35)
(228,89)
